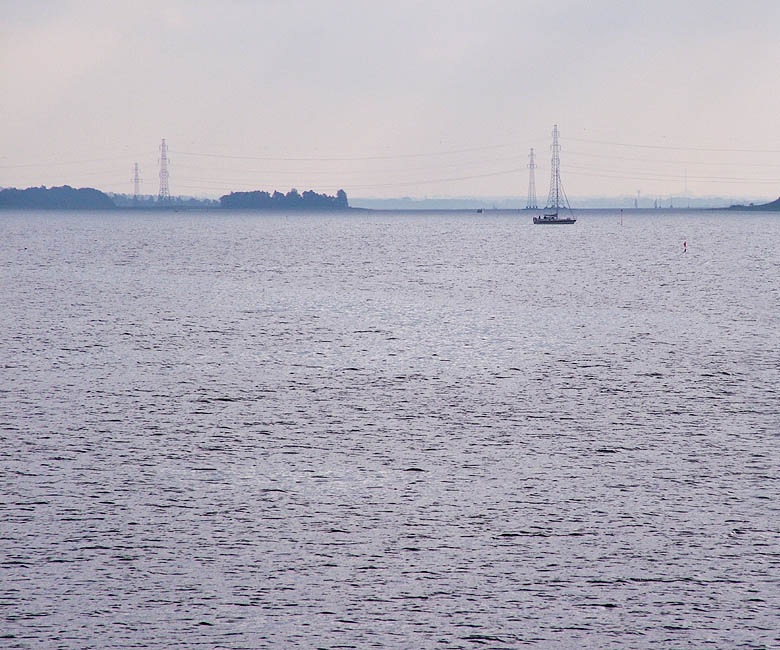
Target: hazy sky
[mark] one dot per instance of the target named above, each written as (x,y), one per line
(401,98)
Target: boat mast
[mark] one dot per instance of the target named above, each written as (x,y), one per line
(554,199)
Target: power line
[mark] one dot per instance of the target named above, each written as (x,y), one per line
(69,162)
(402,183)
(339,172)
(344,158)
(663,178)
(668,161)
(671,148)
(668,176)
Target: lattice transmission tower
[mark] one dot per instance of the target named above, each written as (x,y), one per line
(556,198)
(164,195)
(136,183)
(531,203)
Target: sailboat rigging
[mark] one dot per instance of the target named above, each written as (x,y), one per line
(557,199)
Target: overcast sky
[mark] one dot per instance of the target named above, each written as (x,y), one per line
(401,98)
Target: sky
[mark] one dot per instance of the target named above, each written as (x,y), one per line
(391,99)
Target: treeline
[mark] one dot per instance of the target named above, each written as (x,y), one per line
(150,202)
(260,200)
(87,198)
(56,198)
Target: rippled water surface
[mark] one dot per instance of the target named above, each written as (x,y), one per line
(389,430)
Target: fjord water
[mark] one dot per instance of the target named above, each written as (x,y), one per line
(389,430)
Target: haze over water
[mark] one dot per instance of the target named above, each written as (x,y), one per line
(389,430)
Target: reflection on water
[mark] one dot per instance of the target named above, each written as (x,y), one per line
(389,431)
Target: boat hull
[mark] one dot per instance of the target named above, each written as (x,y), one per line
(552,222)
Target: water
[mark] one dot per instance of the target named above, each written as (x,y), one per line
(399,431)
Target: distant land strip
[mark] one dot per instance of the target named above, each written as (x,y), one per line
(66,197)
(88,198)
(55,198)
(260,200)
(773,205)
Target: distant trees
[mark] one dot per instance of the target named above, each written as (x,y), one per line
(56,198)
(87,198)
(261,200)
(152,202)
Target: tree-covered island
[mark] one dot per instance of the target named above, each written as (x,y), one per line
(260,200)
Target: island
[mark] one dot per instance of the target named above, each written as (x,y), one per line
(260,200)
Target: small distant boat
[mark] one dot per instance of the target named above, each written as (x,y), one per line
(557,199)
(553,218)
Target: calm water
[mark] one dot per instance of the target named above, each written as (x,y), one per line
(389,431)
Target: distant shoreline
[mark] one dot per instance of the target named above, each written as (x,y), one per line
(763,207)
(66,198)
(120,211)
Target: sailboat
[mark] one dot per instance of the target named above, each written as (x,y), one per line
(557,199)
